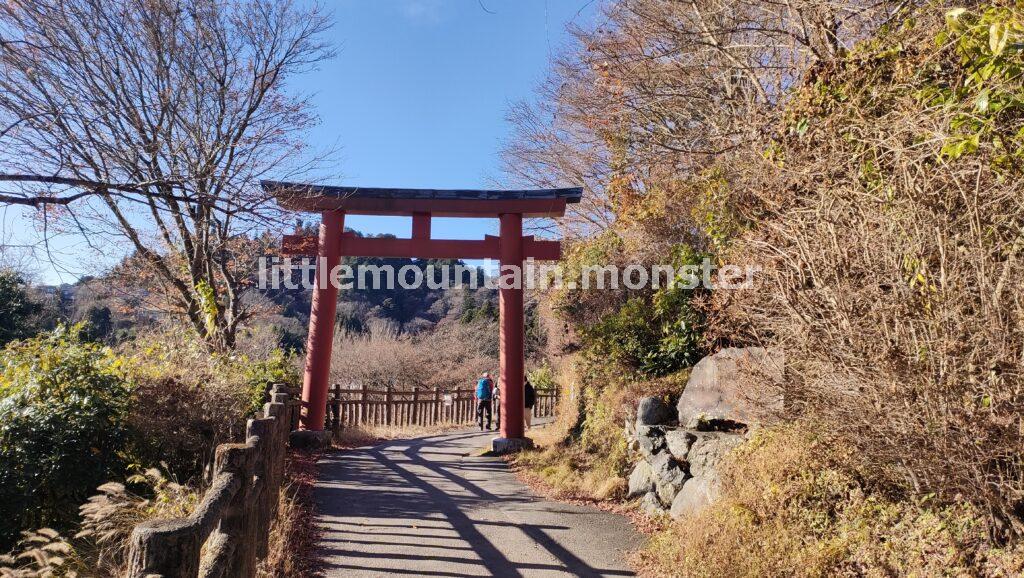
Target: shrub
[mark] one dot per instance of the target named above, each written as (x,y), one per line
(63,426)
(651,332)
(631,344)
(97,324)
(650,335)
(187,400)
(261,374)
(542,378)
(889,234)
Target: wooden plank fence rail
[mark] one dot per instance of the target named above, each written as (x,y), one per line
(547,403)
(353,407)
(227,534)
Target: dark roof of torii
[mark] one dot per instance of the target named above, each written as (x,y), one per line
(438,202)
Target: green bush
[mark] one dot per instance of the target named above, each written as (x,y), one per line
(97,324)
(63,410)
(280,367)
(655,334)
(543,378)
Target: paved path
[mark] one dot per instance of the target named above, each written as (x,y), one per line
(422,507)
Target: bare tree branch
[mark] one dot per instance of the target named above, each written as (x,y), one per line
(168,113)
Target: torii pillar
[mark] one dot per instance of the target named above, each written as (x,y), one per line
(510,248)
(511,320)
(322,314)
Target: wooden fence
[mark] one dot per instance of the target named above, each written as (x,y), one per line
(227,534)
(415,407)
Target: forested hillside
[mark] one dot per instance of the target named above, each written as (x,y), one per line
(116,305)
(866,158)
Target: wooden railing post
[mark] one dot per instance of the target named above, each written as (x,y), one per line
(336,408)
(165,548)
(415,406)
(269,450)
(387,406)
(363,407)
(435,408)
(234,543)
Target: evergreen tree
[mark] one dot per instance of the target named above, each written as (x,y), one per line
(17,310)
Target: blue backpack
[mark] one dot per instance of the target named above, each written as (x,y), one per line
(483,388)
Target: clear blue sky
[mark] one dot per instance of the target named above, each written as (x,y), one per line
(416,97)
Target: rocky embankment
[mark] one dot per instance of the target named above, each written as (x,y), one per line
(679,449)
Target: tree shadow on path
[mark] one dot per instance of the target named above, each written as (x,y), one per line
(420,507)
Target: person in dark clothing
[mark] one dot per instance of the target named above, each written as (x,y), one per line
(483,395)
(529,400)
(496,404)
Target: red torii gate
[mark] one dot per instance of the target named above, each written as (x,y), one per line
(511,248)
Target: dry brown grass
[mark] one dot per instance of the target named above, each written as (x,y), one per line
(294,534)
(579,456)
(891,271)
(100,548)
(186,401)
(42,554)
(548,470)
(564,474)
(787,510)
(109,517)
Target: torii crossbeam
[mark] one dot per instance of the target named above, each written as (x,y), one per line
(511,248)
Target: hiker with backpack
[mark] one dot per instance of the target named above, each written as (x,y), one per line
(484,394)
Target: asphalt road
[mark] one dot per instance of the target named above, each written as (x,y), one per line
(424,507)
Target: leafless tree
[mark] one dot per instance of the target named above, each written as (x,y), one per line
(149,123)
(664,87)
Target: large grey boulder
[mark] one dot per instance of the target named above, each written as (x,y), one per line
(733,388)
(708,450)
(651,506)
(679,443)
(654,411)
(641,480)
(704,458)
(669,475)
(694,496)
(650,439)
